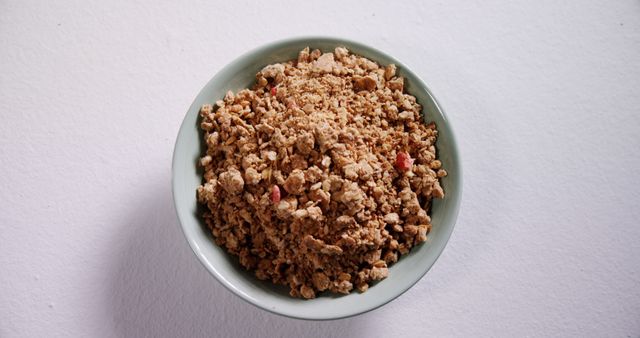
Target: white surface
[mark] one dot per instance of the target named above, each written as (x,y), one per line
(544,96)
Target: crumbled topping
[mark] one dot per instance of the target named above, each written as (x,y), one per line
(322,174)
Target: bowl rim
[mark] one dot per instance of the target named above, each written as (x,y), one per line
(458,181)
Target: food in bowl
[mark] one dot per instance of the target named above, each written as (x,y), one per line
(322,174)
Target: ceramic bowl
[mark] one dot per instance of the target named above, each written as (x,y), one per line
(225,268)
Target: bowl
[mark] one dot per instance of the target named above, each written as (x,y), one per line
(186,177)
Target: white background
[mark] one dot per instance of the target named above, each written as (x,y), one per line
(544,97)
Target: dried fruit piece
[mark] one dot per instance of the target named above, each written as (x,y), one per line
(403,161)
(275,194)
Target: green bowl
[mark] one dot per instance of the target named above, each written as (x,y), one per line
(225,268)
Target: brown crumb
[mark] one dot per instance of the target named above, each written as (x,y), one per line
(322,174)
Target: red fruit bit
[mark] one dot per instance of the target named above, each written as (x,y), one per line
(403,161)
(275,194)
(274,91)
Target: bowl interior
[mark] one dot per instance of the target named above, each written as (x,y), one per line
(186,178)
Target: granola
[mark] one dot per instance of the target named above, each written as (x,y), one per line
(322,174)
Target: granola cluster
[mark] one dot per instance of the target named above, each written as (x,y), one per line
(322,175)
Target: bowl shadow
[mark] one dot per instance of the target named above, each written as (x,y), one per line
(157,287)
